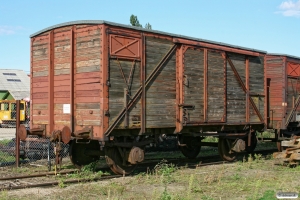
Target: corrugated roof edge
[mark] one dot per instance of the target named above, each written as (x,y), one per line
(141,29)
(282,54)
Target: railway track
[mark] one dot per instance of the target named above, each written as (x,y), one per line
(18,184)
(48,178)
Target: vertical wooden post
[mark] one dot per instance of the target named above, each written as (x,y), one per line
(104,81)
(224,119)
(247,90)
(72,74)
(17,135)
(51,82)
(179,88)
(31,82)
(205,85)
(266,88)
(284,94)
(143,78)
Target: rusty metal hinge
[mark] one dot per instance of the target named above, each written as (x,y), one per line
(106,113)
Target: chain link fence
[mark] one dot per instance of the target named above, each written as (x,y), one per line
(33,149)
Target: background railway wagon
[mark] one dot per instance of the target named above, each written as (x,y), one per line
(283,79)
(122,87)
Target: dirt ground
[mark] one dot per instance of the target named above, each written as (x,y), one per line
(7,133)
(251,177)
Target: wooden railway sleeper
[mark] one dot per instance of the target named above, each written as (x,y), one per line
(291,153)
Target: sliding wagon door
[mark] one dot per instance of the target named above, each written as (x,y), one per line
(124,81)
(204,86)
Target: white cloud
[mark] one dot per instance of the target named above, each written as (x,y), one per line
(9,30)
(290,8)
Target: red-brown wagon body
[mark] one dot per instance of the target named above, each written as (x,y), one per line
(283,73)
(98,80)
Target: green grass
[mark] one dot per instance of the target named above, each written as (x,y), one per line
(252,177)
(5,141)
(6,157)
(210,139)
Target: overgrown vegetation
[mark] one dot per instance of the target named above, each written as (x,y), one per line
(5,142)
(252,177)
(6,157)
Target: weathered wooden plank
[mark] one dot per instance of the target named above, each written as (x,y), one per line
(84,122)
(87,106)
(40,106)
(64,99)
(118,84)
(193,90)
(40,73)
(87,44)
(62,94)
(215,87)
(88,86)
(88,93)
(87,100)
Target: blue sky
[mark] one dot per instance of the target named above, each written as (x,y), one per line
(269,25)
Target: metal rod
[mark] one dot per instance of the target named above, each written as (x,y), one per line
(17,135)
(49,161)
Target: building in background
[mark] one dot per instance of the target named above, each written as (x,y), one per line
(14,84)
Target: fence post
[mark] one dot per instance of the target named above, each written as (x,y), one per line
(17,135)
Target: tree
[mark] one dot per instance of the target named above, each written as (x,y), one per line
(148,26)
(134,21)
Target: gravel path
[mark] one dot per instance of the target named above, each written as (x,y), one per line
(7,133)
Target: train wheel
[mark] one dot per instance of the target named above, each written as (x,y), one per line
(224,148)
(77,153)
(114,160)
(190,150)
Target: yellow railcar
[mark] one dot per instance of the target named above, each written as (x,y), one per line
(8,112)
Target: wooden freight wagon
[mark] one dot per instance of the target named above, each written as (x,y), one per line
(283,89)
(111,89)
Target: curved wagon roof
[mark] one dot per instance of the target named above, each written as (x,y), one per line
(97,22)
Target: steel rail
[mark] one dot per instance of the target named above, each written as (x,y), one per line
(147,163)
(53,183)
(37,175)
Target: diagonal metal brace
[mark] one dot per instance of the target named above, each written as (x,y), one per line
(244,87)
(289,118)
(139,92)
